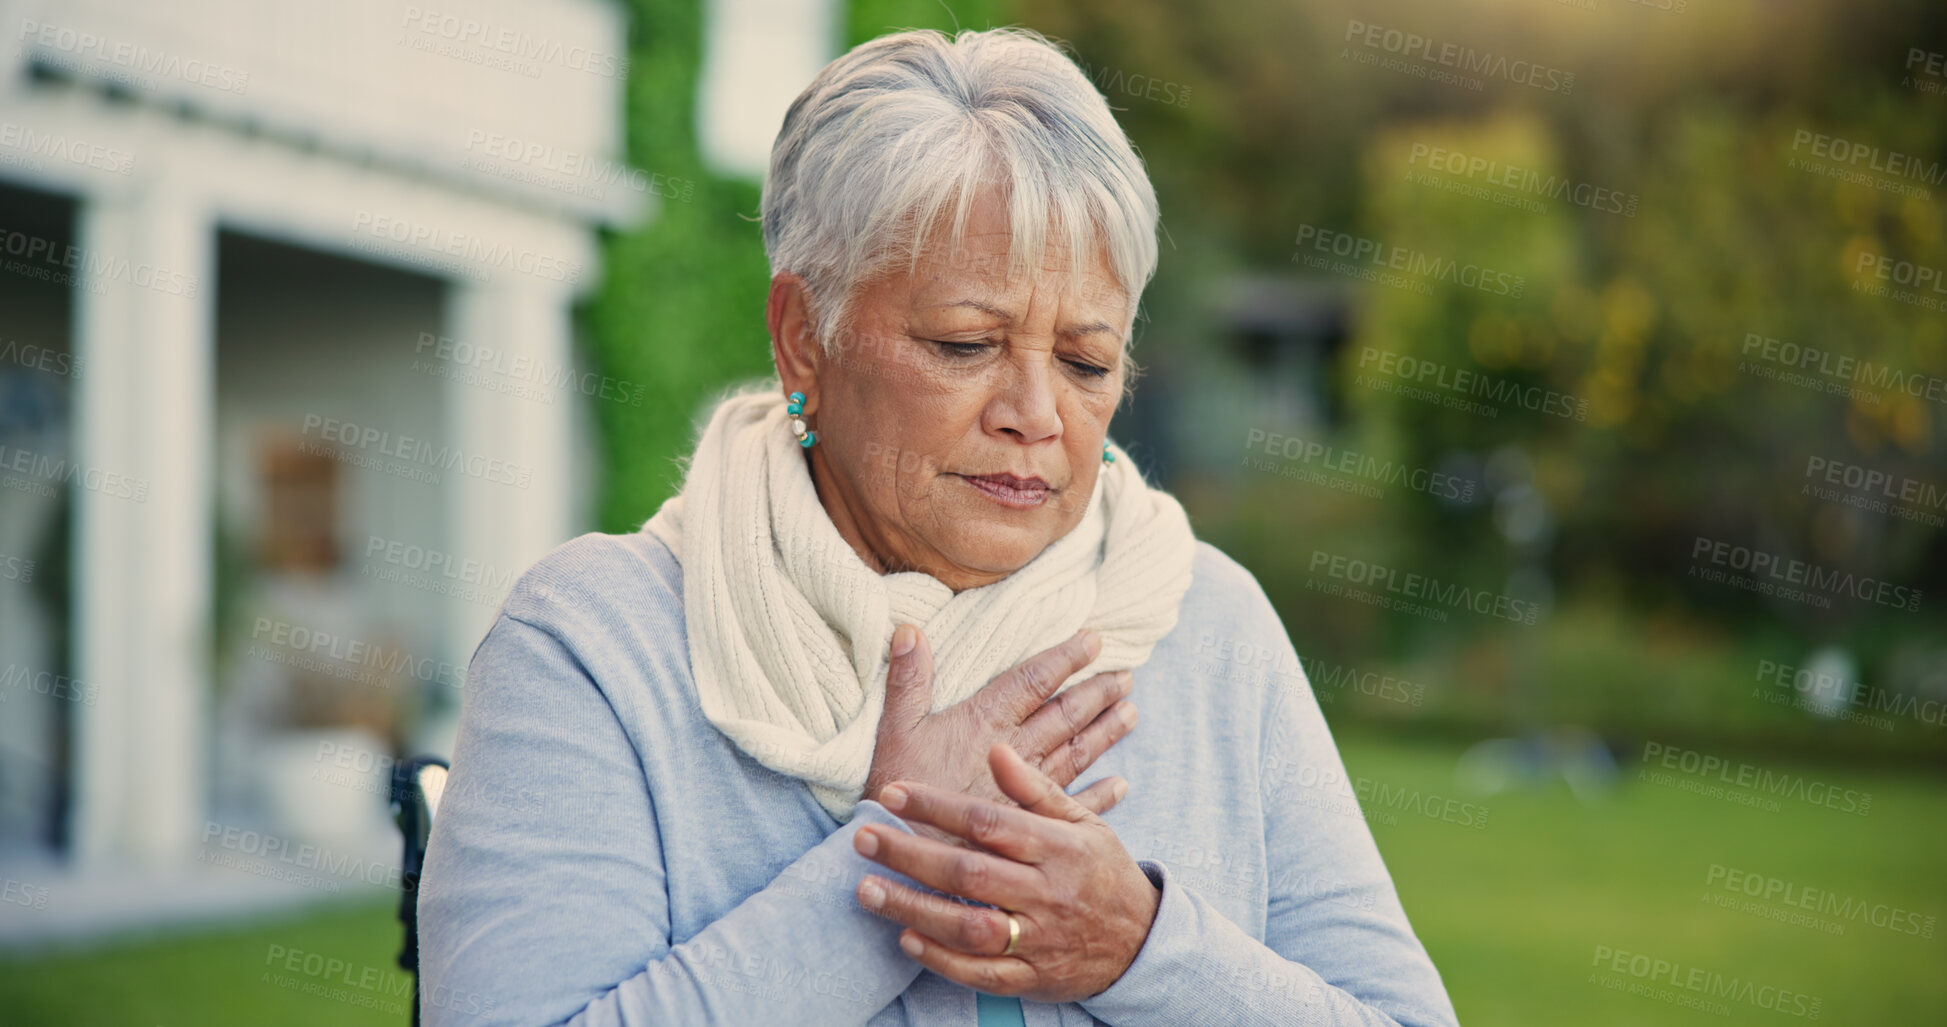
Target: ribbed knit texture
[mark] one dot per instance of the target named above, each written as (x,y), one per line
(790,631)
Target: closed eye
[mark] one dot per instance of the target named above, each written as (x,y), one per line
(960,349)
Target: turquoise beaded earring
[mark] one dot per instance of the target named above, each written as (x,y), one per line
(1107,457)
(806,437)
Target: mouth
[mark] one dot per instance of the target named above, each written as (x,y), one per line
(1010,491)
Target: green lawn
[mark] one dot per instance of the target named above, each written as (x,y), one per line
(257,975)
(1513,912)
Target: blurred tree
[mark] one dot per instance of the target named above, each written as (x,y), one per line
(681,308)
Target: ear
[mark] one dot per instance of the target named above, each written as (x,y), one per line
(794,345)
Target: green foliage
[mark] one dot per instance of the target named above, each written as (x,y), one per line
(869,19)
(1638,318)
(681,308)
(1255,120)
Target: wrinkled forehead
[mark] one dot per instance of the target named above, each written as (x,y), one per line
(988,258)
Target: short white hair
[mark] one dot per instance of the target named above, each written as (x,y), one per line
(905,129)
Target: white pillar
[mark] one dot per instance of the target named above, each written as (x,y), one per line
(142,545)
(508,527)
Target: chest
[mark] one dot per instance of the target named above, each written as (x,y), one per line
(730,825)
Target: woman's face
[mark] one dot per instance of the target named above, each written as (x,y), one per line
(960,424)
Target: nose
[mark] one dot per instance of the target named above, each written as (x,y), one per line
(1024,406)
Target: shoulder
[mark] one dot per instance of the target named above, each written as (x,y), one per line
(605,610)
(599,587)
(1223,594)
(1229,638)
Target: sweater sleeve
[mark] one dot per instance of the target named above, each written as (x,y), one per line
(1337,948)
(544,898)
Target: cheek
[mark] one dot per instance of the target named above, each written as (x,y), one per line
(1081,487)
(1087,418)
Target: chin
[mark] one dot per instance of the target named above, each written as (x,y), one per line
(1000,548)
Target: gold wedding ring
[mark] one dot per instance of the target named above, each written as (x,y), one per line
(1013,933)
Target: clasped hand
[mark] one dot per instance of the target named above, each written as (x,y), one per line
(1083,906)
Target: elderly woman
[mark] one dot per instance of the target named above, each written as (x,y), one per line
(800,751)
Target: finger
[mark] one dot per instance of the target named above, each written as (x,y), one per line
(1066,762)
(909,680)
(1103,795)
(1002,829)
(995,975)
(980,876)
(979,930)
(1063,717)
(1035,791)
(1010,698)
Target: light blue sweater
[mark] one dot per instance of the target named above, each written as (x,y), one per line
(603,855)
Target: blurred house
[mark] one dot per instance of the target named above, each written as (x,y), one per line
(288,392)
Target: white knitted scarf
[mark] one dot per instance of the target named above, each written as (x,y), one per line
(790,631)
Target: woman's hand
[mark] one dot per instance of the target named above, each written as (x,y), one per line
(948,750)
(1083,905)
